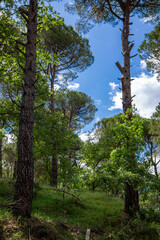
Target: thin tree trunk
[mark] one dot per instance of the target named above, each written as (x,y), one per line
(155,164)
(0,157)
(15,170)
(131,193)
(25,168)
(54,171)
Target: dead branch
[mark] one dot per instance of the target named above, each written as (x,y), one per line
(119,67)
(63,191)
(133,56)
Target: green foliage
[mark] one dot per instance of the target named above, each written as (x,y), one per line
(129,142)
(63,52)
(109,161)
(6,189)
(110,11)
(149,50)
(77,107)
(67,144)
(97,211)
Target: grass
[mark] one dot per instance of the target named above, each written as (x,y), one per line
(58,217)
(92,211)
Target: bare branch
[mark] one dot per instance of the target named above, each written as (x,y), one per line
(129,49)
(133,55)
(59,190)
(119,67)
(133,96)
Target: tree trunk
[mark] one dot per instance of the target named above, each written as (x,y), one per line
(131,199)
(155,168)
(131,194)
(54,172)
(25,167)
(15,170)
(0,157)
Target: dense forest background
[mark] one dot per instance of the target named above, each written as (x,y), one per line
(54,185)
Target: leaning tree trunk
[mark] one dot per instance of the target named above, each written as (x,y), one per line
(131,193)
(25,173)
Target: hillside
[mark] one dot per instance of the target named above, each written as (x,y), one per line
(58,216)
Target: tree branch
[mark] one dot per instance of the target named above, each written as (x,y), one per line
(20,50)
(110,7)
(24,12)
(119,67)
(60,190)
(134,6)
(21,43)
(39,106)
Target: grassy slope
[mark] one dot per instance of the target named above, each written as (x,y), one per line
(90,212)
(55,217)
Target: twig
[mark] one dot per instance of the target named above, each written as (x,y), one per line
(63,191)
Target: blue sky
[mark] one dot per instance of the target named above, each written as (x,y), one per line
(100,80)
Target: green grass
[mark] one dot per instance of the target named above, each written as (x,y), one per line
(58,217)
(92,211)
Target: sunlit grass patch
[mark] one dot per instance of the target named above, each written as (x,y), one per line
(92,211)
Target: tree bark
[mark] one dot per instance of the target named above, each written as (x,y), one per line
(22,204)
(54,172)
(15,170)
(131,192)
(131,199)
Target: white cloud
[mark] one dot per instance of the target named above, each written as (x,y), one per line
(147,89)
(148,19)
(88,136)
(97,119)
(73,86)
(60,77)
(56,87)
(98,102)
(143,64)
(113,85)
(116,99)
(84,136)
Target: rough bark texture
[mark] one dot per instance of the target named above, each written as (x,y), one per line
(131,194)
(25,168)
(126,84)
(0,157)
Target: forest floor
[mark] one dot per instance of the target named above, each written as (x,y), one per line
(56,216)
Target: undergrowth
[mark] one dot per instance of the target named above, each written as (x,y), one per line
(56,216)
